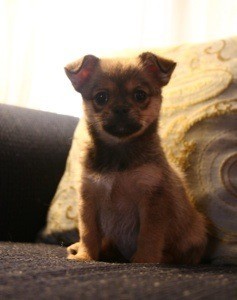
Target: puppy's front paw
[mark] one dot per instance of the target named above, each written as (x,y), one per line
(76,252)
(73,249)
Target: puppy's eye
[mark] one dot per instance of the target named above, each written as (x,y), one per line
(101,98)
(140,96)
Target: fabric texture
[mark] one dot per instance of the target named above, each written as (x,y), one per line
(39,271)
(33,150)
(199,134)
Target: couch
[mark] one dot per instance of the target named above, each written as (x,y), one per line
(33,149)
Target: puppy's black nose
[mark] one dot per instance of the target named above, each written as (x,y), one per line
(121,110)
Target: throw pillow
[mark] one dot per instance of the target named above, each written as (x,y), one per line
(199,134)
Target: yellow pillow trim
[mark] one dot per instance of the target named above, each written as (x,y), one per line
(195,87)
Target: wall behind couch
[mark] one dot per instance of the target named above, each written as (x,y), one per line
(38,37)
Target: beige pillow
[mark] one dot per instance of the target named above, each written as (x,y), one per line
(199,134)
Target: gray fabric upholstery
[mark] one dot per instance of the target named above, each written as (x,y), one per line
(38,271)
(33,149)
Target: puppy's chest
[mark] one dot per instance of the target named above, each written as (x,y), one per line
(123,189)
(117,196)
(117,202)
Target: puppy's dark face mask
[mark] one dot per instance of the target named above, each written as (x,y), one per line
(121,97)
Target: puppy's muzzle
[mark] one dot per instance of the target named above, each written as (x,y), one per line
(121,125)
(121,110)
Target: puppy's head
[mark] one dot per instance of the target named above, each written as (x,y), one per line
(121,97)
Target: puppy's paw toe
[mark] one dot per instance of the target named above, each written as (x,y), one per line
(81,257)
(71,257)
(78,252)
(73,249)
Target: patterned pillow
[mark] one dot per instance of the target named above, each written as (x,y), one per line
(199,134)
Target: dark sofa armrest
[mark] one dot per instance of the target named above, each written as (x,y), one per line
(33,151)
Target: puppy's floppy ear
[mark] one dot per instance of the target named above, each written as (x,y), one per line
(159,67)
(80,71)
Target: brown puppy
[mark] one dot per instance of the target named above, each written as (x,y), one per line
(132,204)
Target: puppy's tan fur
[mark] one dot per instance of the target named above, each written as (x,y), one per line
(133,206)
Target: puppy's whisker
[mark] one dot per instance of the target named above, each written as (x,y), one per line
(94,123)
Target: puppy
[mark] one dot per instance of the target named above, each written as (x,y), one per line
(133,205)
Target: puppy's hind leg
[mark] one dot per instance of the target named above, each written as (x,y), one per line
(110,253)
(191,249)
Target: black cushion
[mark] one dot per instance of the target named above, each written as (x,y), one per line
(33,149)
